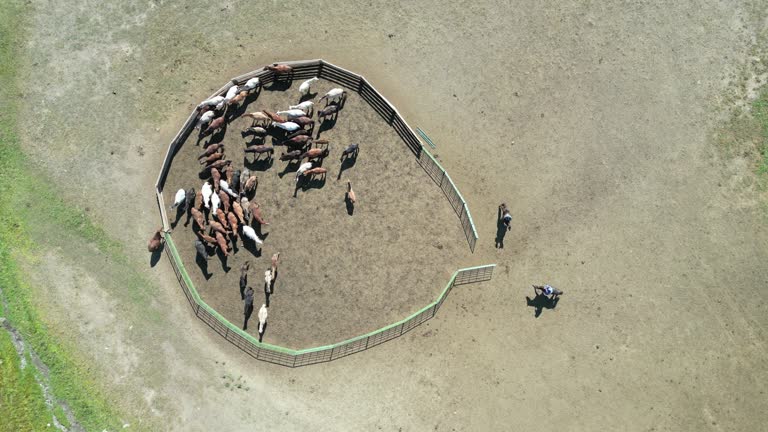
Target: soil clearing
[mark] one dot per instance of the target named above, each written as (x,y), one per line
(340,276)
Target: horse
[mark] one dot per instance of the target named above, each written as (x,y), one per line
(350,151)
(304,87)
(292,155)
(314,153)
(156,241)
(279,69)
(210,150)
(328,111)
(335,94)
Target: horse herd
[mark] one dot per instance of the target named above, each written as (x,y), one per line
(224,209)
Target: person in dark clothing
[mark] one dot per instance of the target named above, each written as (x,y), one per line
(248,306)
(503,221)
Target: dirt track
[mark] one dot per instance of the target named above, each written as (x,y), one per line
(594,122)
(340,276)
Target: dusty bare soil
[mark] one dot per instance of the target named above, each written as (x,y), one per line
(340,275)
(593,122)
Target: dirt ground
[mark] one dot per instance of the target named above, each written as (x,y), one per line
(593,121)
(340,275)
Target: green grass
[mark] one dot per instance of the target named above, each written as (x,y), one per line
(28,201)
(22,407)
(760,114)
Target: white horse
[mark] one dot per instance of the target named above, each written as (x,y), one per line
(262,318)
(215,202)
(287,126)
(216,101)
(250,84)
(304,87)
(335,94)
(292,113)
(204,119)
(307,107)
(225,187)
(180,196)
(251,234)
(207,191)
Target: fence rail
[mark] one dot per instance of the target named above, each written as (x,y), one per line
(295,358)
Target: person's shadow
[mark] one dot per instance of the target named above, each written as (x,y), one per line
(203,264)
(541,302)
(155,257)
(501,231)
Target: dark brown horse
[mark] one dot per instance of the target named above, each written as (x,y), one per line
(292,155)
(211,159)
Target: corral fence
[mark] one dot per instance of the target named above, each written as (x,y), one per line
(295,358)
(311,68)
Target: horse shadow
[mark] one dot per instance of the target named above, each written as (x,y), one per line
(281,83)
(259,164)
(307,97)
(179,214)
(541,302)
(252,247)
(327,124)
(346,164)
(313,183)
(223,260)
(290,167)
(350,205)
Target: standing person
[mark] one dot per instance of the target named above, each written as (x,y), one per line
(248,307)
(503,221)
(551,292)
(244,278)
(262,320)
(506,217)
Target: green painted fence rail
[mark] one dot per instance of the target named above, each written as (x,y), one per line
(303,357)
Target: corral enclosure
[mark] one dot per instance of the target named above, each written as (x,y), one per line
(341,275)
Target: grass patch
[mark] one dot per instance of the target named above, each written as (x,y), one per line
(22,406)
(760,114)
(28,201)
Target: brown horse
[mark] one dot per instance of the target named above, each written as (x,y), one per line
(297,133)
(315,171)
(156,241)
(215,125)
(222,218)
(251,184)
(199,218)
(216,177)
(211,159)
(222,242)
(205,237)
(300,140)
(232,223)
(224,197)
(314,153)
(211,150)
(274,117)
(217,227)
(303,121)
(256,212)
(279,69)
(238,211)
